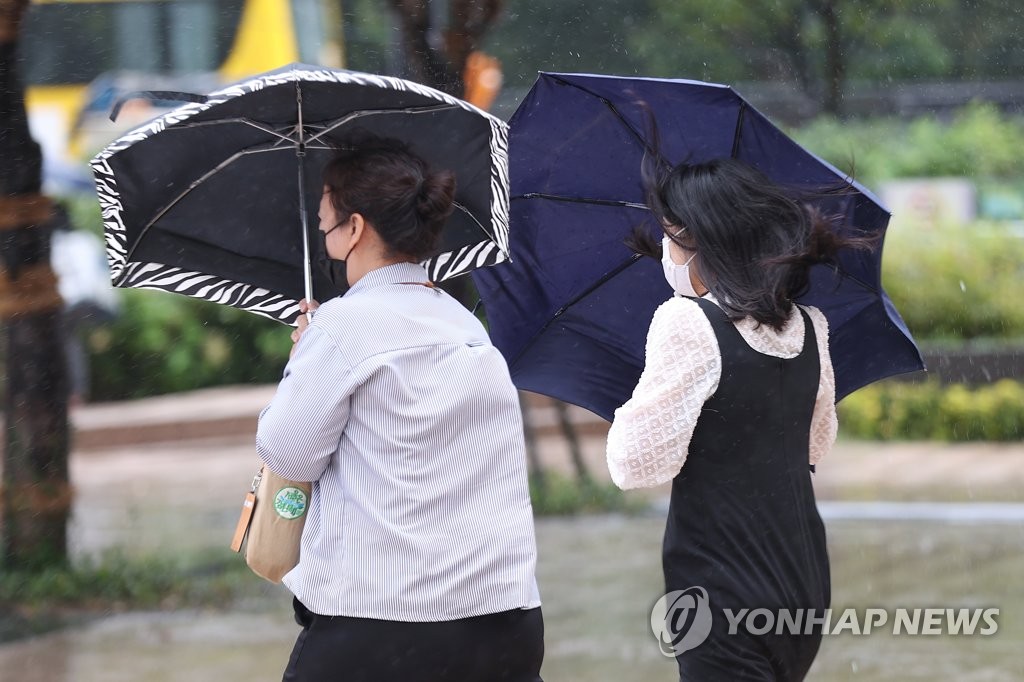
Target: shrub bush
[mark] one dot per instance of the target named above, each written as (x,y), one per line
(951,283)
(957,282)
(978,142)
(163,343)
(558,495)
(904,411)
(38,600)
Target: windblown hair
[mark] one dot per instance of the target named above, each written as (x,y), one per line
(755,243)
(394,190)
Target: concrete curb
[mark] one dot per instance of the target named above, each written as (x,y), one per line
(233,412)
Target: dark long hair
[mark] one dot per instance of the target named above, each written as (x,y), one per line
(405,201)
(755,243)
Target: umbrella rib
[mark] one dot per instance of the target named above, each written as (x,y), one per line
(576,299)
(579,200)
(839,269)
(219,167)
(473,218)
(246,121)
(738,133)
(618,114)
(370,112)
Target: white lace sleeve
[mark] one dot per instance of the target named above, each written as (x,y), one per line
(824,424)
(650,435)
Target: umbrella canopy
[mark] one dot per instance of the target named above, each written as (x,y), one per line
(211,200)
(571,308)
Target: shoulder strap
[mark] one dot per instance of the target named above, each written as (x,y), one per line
(429,285)
(810,335)
(720,322)
(810,342)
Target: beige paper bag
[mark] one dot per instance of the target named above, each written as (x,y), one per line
(271,523)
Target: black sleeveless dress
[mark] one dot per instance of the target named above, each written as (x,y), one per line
(742,520)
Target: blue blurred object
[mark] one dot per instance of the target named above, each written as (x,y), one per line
(570,311)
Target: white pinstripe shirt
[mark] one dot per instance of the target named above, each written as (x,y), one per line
(401,411)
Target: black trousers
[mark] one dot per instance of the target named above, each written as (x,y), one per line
(500,647)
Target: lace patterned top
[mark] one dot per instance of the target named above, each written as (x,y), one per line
(650,434)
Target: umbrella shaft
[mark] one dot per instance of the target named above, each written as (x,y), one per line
(307,272)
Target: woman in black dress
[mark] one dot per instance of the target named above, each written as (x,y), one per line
(735,406)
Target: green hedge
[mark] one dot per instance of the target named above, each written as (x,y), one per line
(978,142)
(927,411)
(164,343)
(34,601)
(957,282)
(949,284)
(554,494)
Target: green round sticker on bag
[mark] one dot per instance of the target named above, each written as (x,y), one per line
(290,503)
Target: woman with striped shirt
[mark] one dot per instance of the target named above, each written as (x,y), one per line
(418,554)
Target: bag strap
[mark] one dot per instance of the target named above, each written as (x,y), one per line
(245,518)
(429,285)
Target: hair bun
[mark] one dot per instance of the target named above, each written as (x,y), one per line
(434,202)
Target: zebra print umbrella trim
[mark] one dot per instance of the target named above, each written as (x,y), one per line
(210,288)
(491,250)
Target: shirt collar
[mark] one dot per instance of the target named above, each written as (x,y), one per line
(396,273)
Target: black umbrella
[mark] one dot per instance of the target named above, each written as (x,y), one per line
(211,199)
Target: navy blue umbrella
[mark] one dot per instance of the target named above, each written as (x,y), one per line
(570,310)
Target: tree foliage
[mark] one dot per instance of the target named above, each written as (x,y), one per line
(821,46)
(817,44)
(569,35)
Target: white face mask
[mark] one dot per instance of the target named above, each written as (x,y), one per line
(678,276)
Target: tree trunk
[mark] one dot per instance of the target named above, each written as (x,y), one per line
(436,56)
(575,451)
(425,60)
(835,61)
(35,498)
(532,456)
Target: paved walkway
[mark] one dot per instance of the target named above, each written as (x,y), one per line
(176,467)
(171,472)
(168,468)
(854,470)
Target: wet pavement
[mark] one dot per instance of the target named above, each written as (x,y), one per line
(599,575)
